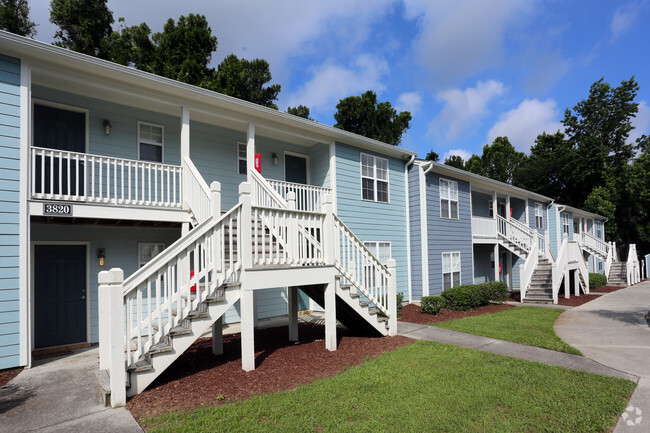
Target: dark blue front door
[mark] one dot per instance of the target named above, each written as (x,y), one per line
(295,169)
(59,294)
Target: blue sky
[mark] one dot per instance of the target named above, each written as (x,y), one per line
(468,70)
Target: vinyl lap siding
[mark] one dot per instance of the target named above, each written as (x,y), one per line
(448,235)
(371,221)
(9,211)
(416,233)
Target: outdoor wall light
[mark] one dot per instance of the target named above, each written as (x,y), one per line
(275,158)
(107,126)
(101,256)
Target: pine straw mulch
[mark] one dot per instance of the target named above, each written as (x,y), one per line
(7,375)
(198,378)
(412,313)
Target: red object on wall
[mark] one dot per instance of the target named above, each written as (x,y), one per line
(499,268)
(258,162)
(193,288)
(510,212)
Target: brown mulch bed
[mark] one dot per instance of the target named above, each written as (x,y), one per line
(198,378)
(7,375)
(412,313)
(573,301)
(608,289)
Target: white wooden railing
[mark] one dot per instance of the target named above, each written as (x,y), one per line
(611,252)
(195,191)
(527,270)
(484,227)
(598,245)
(632,266)
(263,194)
(515,232)
(308,197)
(558,269)
(73,176)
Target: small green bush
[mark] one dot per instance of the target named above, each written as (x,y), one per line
(432,304)
(596,281)
(463,298)
(496,291)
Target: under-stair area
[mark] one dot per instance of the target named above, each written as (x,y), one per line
(149,319)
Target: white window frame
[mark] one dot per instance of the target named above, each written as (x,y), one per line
(374,178)
(539,216)
(151,142)
(566,225)
(491,208)
(449,198)
(142,245)
(452,271)
(599,229)
(240,158)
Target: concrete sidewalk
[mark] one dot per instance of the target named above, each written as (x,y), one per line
(613,330)
(514,350)
(61,394)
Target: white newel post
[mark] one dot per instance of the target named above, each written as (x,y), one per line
(392,297)
(104,321)
(567,285)
(292,301)
(328,228)
(330,315)
(111,284)
(247,299)
(292,234)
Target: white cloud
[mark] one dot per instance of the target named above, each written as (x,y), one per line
(463,109)
(641,122)
(460,152)
(409,101)
(523,124)
(330,83)
(624,18)
(459,38)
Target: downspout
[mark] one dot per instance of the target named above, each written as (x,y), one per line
(424,252)
(408,228)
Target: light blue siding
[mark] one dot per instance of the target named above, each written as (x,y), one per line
(9,211)
(553,229)
(388,222)
(483,271)
(531,216)
(518,207)
(416,232)
(448,235)
(481,204)
(516,279)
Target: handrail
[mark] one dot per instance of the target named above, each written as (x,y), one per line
(594,243)
(73,176)
(308,197)
(610,258)
(521,237)
(557,270)
(527,270)
(360,267)
(575,256)
(196,191)
(263,194)
(632,265)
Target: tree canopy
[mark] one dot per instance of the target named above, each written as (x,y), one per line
(14,18)
(365,116)
(432,156)
(84,26)
(300,111)
(455,161)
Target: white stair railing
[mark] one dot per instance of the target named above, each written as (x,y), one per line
(527,270)
(81,177)
(308,197)
(515,232)
(559,268)
(597,245)
(632,266)
(575,256)
(611,251)
(195,191)
(263,194)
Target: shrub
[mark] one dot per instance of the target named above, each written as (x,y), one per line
(496,291)
(399,300)
(596,281)
(432,304)
(463,298)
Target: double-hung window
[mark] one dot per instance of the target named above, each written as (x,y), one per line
(381,250)
(599,230)
(241,158)
(539,216)
(374,178)
(450,270)
(565,224)
(150,142)
(448,199)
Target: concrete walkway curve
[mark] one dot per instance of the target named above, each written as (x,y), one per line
(613,331)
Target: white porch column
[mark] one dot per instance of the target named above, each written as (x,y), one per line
(111,282)
(527,213)
(185,133)
(330,315)
(496,261)
(508,208)
(567,285)
(247,330)
(576,282)
(217,337)
(292,307)
(392,297)
(250,149)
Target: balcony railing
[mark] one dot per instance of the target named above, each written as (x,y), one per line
(484,227)
(308,197)
(72,176)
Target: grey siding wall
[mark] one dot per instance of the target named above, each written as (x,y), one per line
(518,209)
(9,211)
(416,233)
(448,235)
(531,215)
(483,272)
(480,204)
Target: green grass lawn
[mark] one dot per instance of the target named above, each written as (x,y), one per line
(532,326)
(426,386)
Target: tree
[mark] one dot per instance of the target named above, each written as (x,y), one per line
(363,115)
(432,156)
(245,79)
(84,26)
(300,111)
(455,161)
(14,18)
(474,165)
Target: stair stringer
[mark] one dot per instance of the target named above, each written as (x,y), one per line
(514,249)
(380,324)
(139,380)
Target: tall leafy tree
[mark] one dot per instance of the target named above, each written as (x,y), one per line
(365,116)
(14,18)
(455,161)
(432,156)
(84,26)
(300,111)
(246,79)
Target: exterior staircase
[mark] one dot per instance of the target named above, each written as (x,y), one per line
(617,274)
(148,320)
(541,286)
